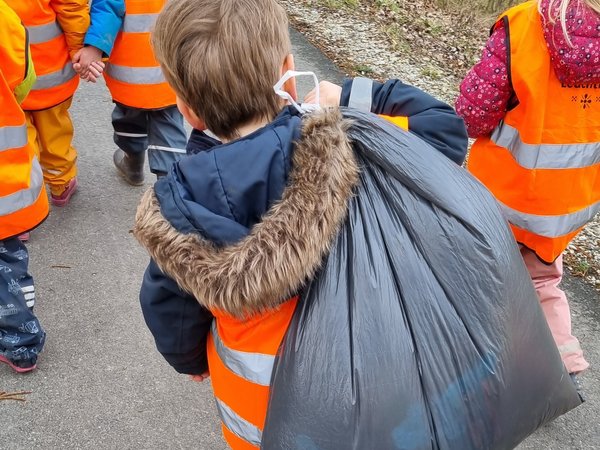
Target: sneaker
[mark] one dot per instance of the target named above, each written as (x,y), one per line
(578,385)
(18,366)
(63,199)
(130,167)
(24,237)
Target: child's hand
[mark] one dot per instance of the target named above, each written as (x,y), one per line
(87,62)
(200,378)
(95,71)
(329,94)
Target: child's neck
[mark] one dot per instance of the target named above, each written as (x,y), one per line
(251,126)
(247,129)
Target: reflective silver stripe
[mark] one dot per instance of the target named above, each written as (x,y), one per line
(13,137)
(25,197)
(239,426)
(120,133)
(545,156)
(166,149)
(139,23)
(135,75)
(361,95)
(569,348)
(551,226)
(254,367)
(38,34)
(54,79)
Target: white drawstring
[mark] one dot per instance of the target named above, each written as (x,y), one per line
(304,107)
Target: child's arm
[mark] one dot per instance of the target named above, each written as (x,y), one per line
(106,21)
(485,93)
(180,325)
(430,119)
(74,19)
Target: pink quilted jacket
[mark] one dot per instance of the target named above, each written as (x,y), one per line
(485,92)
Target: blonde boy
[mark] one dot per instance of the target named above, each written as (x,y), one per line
(215,254)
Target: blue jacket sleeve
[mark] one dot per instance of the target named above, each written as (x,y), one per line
(106,20)
(432,120)
(180,325)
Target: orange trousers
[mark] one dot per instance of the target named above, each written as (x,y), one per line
(50,131)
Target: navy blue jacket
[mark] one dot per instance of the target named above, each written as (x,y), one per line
(222,191)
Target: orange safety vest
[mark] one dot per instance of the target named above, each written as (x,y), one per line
(133,75)
(23,200)
(542,162)
(241,354)
(56,79)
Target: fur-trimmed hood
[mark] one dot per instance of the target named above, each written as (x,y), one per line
(282,251)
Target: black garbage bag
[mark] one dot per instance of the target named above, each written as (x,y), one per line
(422,330)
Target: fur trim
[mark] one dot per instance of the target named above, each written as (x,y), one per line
(284,250)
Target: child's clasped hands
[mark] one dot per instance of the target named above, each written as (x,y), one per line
(87,62)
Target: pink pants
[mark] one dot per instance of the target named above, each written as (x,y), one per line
(546,279)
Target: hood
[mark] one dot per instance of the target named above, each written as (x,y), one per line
(579,62)
(224,190)
(284,249)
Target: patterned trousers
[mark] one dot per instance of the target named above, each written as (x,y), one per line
(21,335)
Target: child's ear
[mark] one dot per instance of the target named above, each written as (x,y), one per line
(190,115)
(290,85)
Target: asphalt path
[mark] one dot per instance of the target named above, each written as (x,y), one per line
(100,383)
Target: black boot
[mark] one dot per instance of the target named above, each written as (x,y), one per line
(130,167)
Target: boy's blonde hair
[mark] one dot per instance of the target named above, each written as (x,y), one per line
(223,57)
(562,6)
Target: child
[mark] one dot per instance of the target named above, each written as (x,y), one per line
(106,21)
(223,60)
(56,30)
(532,104)
(23,200)
(145,115)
